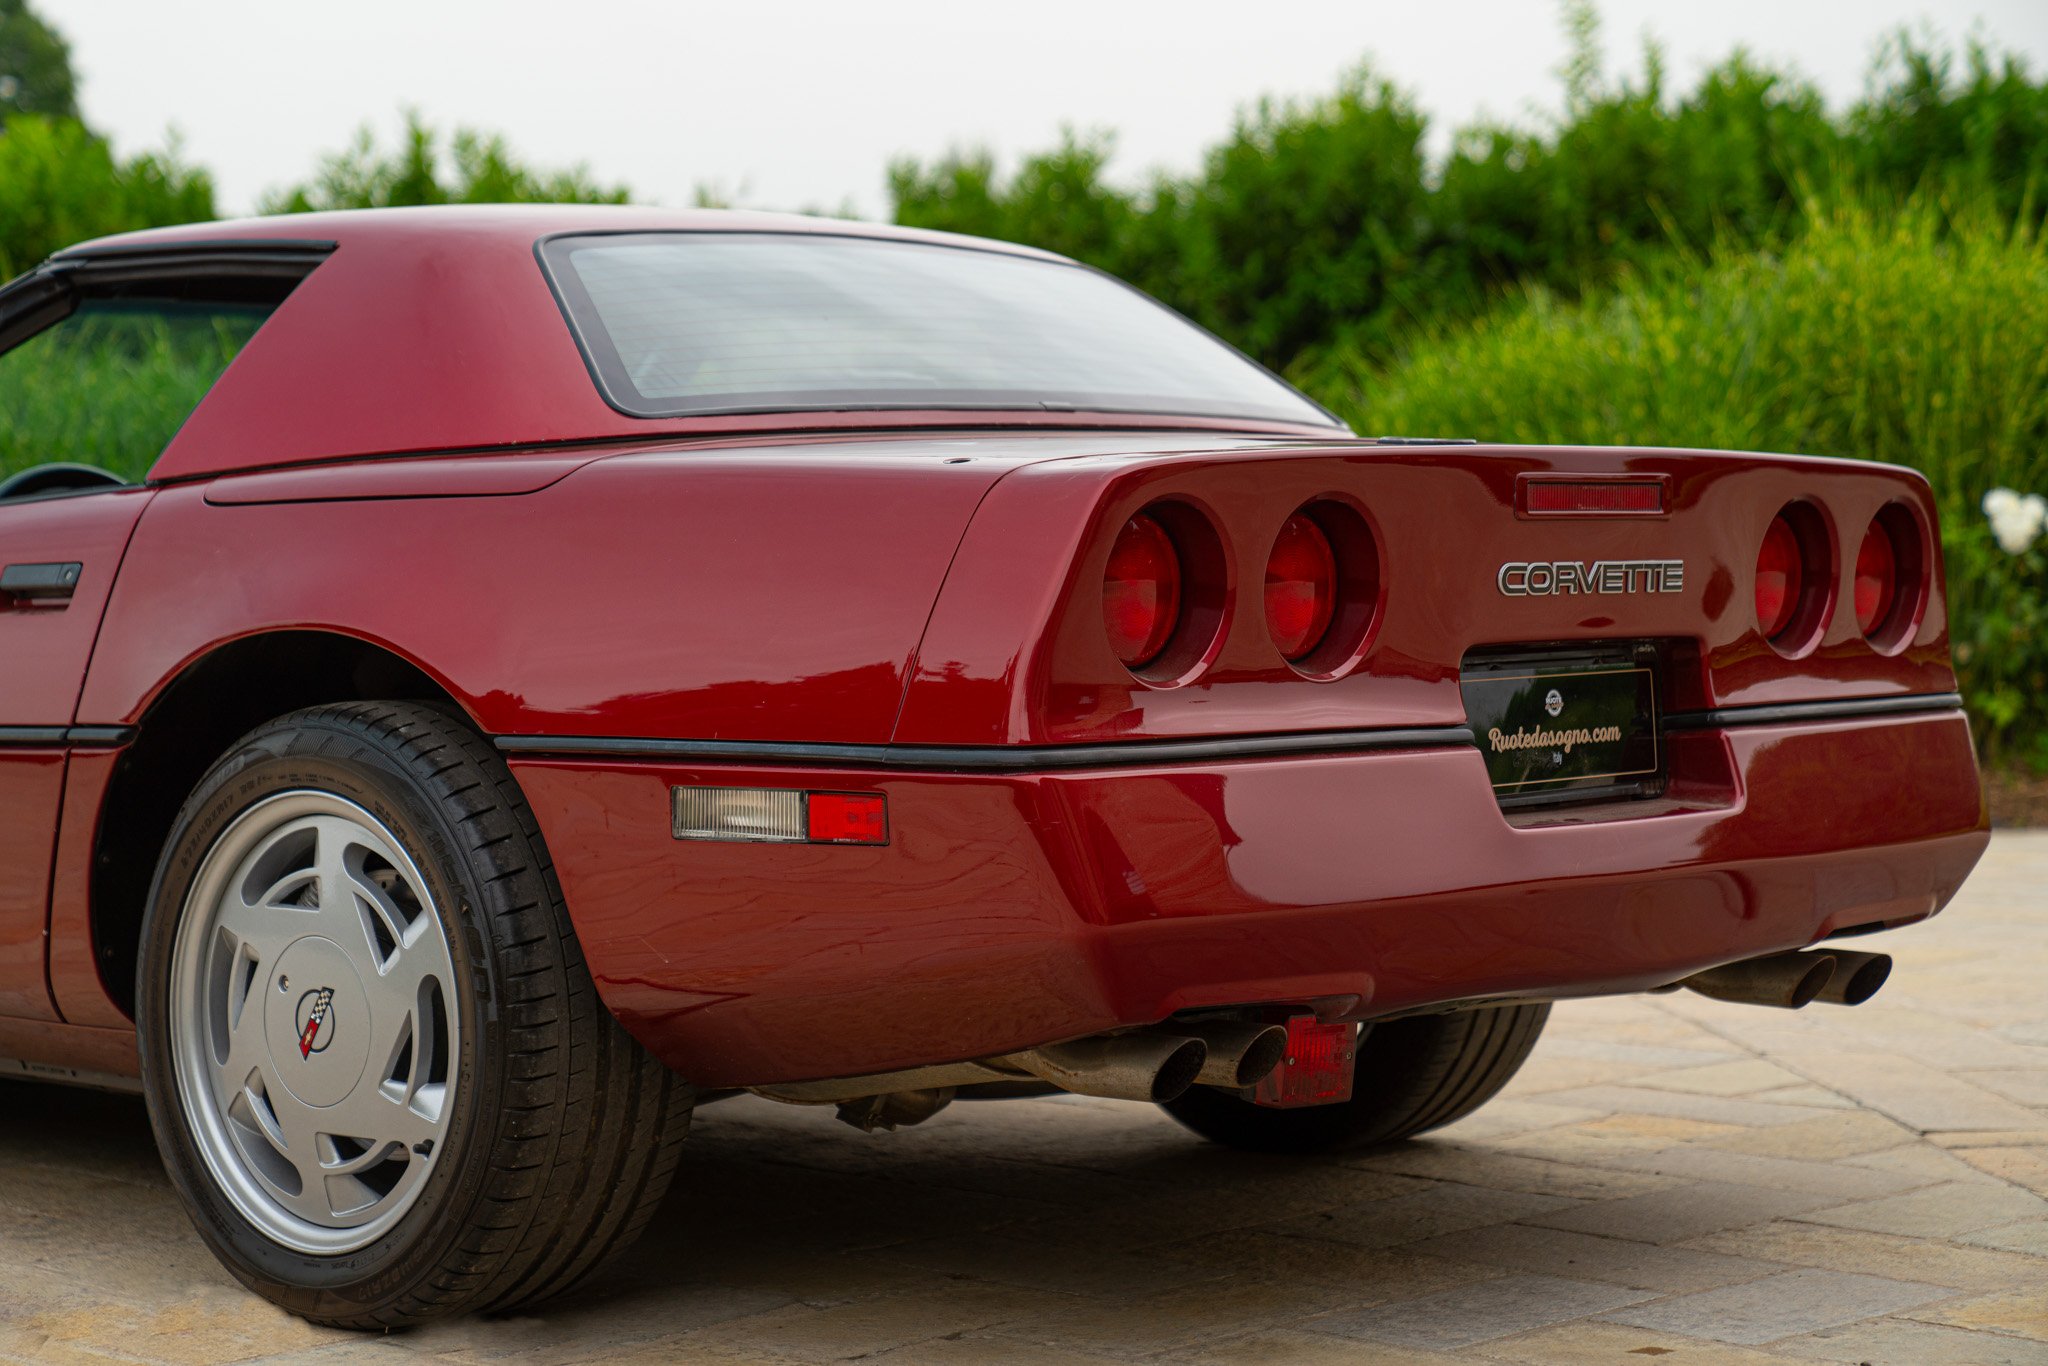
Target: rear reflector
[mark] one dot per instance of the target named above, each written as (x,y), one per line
(761,815)
(1592,497)
(1317,1069)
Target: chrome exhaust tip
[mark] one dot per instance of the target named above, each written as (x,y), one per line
(1141,1066)
(1856,977)
(1240,1054)
(1785,980)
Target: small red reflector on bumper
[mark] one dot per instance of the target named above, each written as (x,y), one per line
(1565,497)
(848,818)
(1317,1069)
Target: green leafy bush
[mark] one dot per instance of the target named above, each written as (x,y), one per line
(1321,221)
(478,168)
(59,184)
(35,66)
(1998,623)
(1911,335)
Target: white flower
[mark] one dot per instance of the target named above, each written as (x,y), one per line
(2016,519)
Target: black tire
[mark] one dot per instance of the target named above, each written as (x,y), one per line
(561,1132)
(1413,1075)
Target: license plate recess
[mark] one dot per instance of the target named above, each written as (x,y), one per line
(1567,723)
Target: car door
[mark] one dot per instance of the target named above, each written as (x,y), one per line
(58,556)
(103,355)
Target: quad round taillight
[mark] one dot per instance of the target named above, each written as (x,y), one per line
(1780,578)
(1141,591)
(1301,587)
(1877,578)
(1891,583)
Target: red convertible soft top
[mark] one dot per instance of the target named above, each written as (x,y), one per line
(434,329)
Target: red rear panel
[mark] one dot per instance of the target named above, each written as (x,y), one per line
(1017,652)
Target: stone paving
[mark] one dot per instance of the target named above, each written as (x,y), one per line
(1669,1178)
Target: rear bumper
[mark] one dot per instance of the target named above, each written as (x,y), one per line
(1021,908)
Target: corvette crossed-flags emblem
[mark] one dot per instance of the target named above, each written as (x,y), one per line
(321,1000)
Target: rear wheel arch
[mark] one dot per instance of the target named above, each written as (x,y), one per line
(211,703)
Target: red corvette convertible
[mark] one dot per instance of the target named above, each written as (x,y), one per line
(564,666)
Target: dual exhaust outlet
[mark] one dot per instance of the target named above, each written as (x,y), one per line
(1160,1064)
(1842,977)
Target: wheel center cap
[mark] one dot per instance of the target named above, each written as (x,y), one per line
(317,1022)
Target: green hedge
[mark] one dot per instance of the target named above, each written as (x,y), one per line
(1913,335)
(1322,220)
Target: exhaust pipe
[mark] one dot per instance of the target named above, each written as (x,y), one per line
(1143,1066)
(1240,1054)
(1785,980)
(1856,977)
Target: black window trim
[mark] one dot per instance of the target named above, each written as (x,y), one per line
(52,291)
(596,352)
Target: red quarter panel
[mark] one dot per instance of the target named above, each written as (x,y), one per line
(731,595)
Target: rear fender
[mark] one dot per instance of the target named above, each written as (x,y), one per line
(675,594)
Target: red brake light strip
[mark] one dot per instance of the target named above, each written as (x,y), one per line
(1544,497)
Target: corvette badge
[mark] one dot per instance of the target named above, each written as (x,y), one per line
(1550,578)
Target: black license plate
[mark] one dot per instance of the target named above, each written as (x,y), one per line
(1560,725)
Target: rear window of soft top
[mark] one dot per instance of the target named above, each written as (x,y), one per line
(689,323)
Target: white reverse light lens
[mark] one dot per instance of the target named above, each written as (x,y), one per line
(739,813)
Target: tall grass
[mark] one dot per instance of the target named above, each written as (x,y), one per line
(1911,335)
(110,387)
(1914,334)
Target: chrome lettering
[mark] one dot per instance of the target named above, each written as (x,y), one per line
(1551,578)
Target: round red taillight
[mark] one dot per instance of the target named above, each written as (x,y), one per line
(1141,591)
(1877,578)
(1779,578)
(1301,586)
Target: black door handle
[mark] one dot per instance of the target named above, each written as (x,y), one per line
(40,580)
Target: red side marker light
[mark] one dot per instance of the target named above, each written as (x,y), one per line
(848,818)
(1318,1067)
(778,815)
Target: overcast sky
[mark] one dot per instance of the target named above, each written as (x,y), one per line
(796,103)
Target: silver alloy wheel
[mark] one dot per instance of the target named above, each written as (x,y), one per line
(313,1029)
